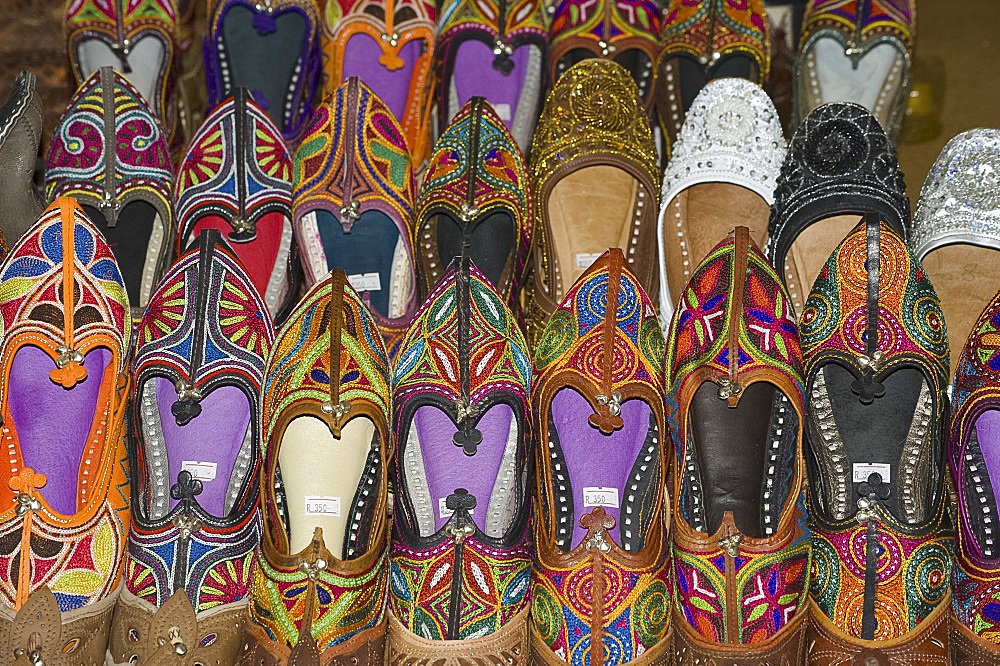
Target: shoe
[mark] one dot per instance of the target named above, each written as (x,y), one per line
(20,133)
(876,418)
(504,59)
(624,32)
(460,560)
(135,39)
(476,199)
(389,45)
(703,40)
(723,170)
(972,453)
(741,540)
(320,579)
(198,368)
(595,185)
(353,193)
(955,233)
(271,48)
(133,209)
(857,51)
(237,177)
(597,394)
(840,164)
(63,397)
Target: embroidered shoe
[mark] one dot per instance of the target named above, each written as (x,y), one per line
(460,560)
(319,582)
(624,31)
(198,370)
(109,153)
(503,50)
(972,449)
(840,165)
(136,39)
(602,580)
(63,396)
(20,133)
(723,169)
(740,543)
(856,52)
(237,177)
(476,198)
(956,227)
(389,46)
(876,358)
(703,40)
(595,185)
(353,202)
(271,48)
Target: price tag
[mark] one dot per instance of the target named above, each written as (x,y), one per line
(863,470)
(365,281)
(583,261)
(503,110)
(443,509)
(600,496)
(202,471)
(322,505)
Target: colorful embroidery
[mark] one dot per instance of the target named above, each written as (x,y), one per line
(476,170)
(710,29)
(895,18)
(121,26)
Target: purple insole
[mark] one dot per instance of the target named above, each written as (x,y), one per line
(53,423)
(474,76)
(988,433)
(448,468)
(595,460)
(214,436)
(361,56)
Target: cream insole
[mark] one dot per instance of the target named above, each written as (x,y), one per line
(707,213)
(810,252)
(321,475)
(145,59)
(590,210)
(965,277)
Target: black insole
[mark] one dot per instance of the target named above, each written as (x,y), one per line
(693,75)
(264,63)
(129,241)
(730,448)
(368,248)
(491,243)
(874,433)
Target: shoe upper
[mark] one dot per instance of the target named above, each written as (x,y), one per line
(504,54)
(63,394)
(592,118)
(110,154)
(734,375)
(602,515)
(460,559)
(237,177)
(20,134)
(476,195)
(731,134)
(136,39)
(272,50)
(875,348)
(397,67)
(705,40)
(354,196)
(330,333)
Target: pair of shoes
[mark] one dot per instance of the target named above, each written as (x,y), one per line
(198,370)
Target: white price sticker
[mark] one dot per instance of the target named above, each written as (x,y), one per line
(322,505)
(202,471)
(599,496)
(861,471)
(365,281)
(583,261)
(444,511)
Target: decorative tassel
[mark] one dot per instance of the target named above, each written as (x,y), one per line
(69,368)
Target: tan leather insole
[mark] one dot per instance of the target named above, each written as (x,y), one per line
(965,278)
(707,213)
(810,251)
(321,475)
(590,210)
